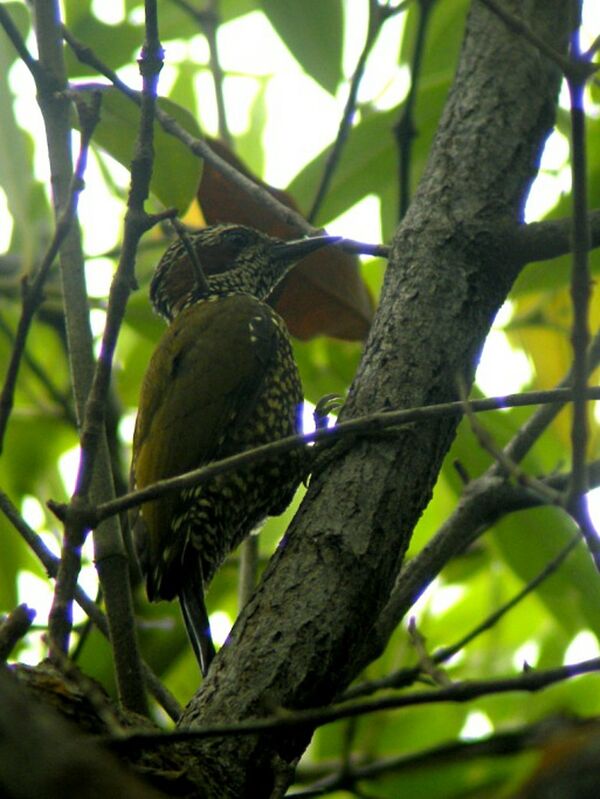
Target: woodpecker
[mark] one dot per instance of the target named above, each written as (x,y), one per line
(222,380)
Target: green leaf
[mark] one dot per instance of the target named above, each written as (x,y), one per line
(116,45)
(183,91)
(444,36)
(16,172)
(367,166)
(313,32)
(176,172)
(369,162)
(176,23)
(76,11)
(528,541)
(327,366)
(249,145)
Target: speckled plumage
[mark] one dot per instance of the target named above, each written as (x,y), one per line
(222,380)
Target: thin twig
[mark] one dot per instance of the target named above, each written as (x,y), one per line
(580,282)
(580,297)
(508,466)
(376,20)
(463,691)
(199,276)
(532,429)
(539,735)
(50,563)
(208,20)
(404,677)
(13,628)
(32,290)
(445,653)
(405,128)
(427,666)
(569,67)
(137,222)
(364,248)
(372,424)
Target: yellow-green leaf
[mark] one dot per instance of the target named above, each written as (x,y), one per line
(176,172)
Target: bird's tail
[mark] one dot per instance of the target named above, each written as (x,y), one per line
(193,609)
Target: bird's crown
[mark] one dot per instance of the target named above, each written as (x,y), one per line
(228,259)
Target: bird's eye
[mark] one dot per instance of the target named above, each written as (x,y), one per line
(238,237)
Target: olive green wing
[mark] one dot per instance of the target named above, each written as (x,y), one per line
(203,378)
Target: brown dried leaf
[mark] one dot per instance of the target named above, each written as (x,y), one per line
(325,294)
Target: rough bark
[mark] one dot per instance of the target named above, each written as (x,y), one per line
(41,755)
(297,644)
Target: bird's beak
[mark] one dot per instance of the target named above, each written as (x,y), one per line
(299,248)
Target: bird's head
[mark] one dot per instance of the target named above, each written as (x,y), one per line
(235,259)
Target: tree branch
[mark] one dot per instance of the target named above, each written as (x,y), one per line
(580,297)
(51,563)
(377,17)
(32,290)
(405,128)
(463,691)
(337,565)
(541,241)
(370,426)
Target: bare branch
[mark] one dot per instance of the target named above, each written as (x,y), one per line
(14,627)
(51,563)
(464,691)
(32,290)
(371,425)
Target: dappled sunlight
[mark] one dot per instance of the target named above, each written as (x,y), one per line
(220,626)
(554,178)
(528,653)
(502,369)
(33,512)
(583,647)
(36,593)
(593,499)
(68,463)
(477,725)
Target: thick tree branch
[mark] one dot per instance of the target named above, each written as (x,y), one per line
(540,241)
(42,755)
(298,641)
